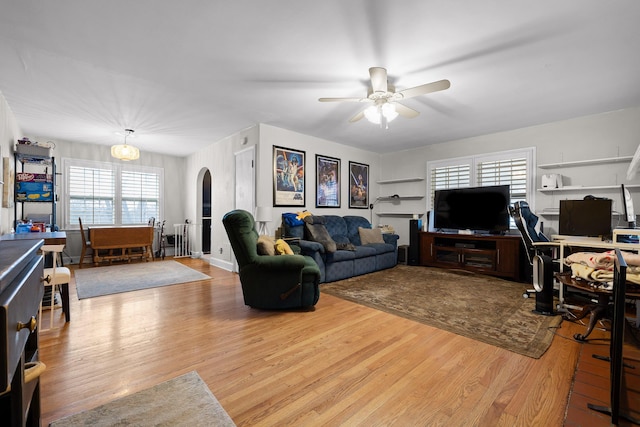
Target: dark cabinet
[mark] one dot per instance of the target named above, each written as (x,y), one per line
(21,290)
(487,254)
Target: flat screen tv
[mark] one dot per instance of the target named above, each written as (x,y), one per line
(479,209)
(589,217)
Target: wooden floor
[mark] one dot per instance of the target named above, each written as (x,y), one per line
(340,364)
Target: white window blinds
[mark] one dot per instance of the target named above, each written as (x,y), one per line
(111,194)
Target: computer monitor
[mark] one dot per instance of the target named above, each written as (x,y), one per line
(627,203)
(591,217)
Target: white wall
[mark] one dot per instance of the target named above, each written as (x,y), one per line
(9,133)
(271,136)
(604,135)
(219,158)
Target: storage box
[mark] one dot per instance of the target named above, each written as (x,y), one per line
(33,150)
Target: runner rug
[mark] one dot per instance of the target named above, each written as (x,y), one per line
(182,401)
(480,307)
(114,279)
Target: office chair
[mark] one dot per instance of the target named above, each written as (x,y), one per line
(541,254)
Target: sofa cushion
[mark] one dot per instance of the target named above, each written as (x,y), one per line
(318,233)
(336,226)
(266,245)
(370,235)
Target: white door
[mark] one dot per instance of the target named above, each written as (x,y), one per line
(245,183)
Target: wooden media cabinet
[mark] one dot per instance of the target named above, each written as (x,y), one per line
(495,255)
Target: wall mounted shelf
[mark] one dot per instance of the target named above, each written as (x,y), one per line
(399,180)
(580,188)
(399,214)
(586,162)
(391,198)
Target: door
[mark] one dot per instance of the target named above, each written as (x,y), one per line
(245,183)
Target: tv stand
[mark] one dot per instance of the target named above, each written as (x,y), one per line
(496,255)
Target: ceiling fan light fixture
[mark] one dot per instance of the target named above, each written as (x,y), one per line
(124,151)
(381,114)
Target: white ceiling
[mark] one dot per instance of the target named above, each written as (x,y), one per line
(187,73)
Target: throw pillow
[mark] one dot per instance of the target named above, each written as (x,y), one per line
(283,248)
(370,235)
(266,245)
(318,233)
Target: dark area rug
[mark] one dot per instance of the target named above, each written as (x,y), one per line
(182,401)
(480,307)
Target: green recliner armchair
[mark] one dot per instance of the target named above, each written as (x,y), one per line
(270,282)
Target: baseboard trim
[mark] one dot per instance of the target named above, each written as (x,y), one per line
(225,265)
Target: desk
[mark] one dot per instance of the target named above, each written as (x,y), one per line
(586,242)
(125,243)
(596,311)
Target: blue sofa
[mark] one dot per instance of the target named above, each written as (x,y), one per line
(344,263)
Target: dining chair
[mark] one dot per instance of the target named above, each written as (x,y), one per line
(85,243)
(57,277)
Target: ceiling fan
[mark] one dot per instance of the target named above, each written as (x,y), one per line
(384,98)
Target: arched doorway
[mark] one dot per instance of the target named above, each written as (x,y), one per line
(206,212)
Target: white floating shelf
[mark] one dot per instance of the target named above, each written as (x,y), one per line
(396,181)
(388,198)
(586,162)
(579,188)
(398,214)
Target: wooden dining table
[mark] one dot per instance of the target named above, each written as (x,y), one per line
(121,243)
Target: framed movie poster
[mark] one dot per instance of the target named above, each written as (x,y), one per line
(358,185)
(327,182)
(288,177)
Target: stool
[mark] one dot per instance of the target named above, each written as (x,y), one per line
(57,277)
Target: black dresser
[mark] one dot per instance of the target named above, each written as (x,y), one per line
(21,290)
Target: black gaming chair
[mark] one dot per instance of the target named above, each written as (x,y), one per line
(540,254)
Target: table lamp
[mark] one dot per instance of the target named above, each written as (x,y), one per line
(263,216)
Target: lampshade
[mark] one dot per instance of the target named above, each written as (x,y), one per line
(264,214)
(124,151)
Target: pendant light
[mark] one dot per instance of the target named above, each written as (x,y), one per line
(123,151)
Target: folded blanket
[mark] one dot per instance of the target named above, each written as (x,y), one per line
(581,271)
(600,260)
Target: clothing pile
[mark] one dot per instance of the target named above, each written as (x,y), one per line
(598,267)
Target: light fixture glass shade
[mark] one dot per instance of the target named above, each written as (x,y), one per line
(125,152)
(375,113)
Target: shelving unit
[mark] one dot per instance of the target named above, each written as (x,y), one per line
(580,188)
(399,197)
(39,164)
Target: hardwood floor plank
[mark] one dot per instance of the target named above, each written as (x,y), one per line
(340,364)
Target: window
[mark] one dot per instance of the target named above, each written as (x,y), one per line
(513,167)
(111,194)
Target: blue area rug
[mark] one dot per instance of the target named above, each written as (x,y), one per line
(114,279)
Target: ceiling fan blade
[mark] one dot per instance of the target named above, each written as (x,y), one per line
(357,117)
(405,111)
(378,79)
(424,89)
(341,99)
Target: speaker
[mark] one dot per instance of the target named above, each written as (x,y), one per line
(414,241)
